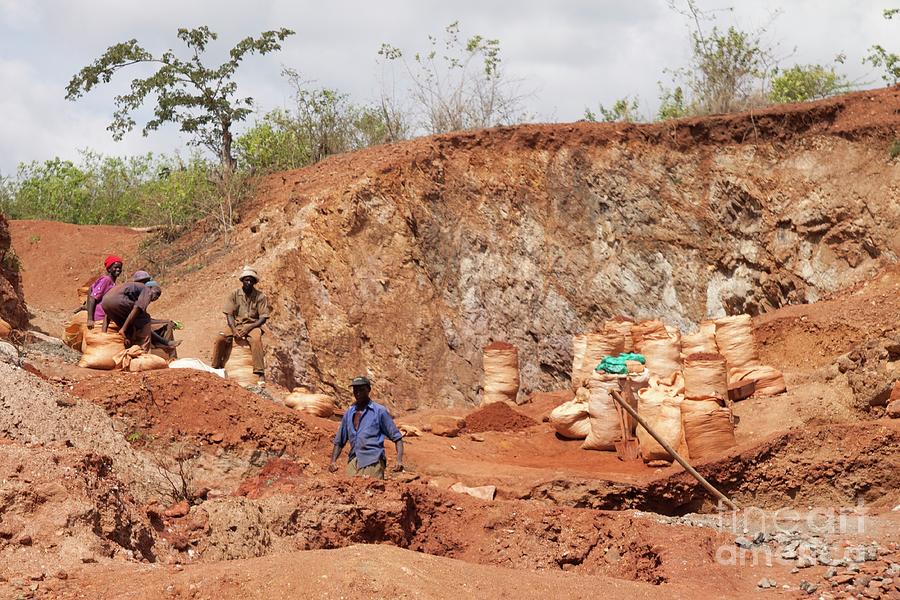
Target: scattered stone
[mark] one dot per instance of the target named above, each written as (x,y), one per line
(62,575)
(842,579)
(760,538)
(743,542)
(805,562)
(809,588)
(484,492)
(794,571)
(25,540)
(766,583)
(831,572)
(447,426)
(178,510)
(789,554)
(476,437)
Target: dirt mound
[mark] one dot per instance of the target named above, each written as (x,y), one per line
(205,410)
(497,417)
(828,466)
(12,299)
(33,411)
(63,507)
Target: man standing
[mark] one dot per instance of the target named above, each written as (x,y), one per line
(246,311)
(364,426)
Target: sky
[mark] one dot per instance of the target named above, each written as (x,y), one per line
(566,55)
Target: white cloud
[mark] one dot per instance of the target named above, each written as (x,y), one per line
(572,53)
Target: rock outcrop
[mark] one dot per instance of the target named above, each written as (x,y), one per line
(404,261)
(12,301)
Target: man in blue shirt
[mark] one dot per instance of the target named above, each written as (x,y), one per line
(364,426)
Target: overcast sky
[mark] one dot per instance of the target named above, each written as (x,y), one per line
(571,54)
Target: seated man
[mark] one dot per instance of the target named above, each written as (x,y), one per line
(246,311)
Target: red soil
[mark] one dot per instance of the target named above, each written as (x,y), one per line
(497,417)
(499,346)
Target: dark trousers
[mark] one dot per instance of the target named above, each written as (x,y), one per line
(222,350)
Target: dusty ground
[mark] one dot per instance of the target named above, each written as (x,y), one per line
(95,466)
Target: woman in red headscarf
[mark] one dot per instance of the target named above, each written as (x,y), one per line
(99,288)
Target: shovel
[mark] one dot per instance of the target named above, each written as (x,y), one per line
(628,448)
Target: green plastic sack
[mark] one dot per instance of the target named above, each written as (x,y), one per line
(615,365)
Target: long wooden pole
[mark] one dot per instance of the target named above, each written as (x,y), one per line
(709,488)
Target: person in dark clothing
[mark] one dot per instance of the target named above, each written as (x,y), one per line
(127,306)
(364,427)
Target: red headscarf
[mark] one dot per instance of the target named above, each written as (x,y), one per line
(111,260)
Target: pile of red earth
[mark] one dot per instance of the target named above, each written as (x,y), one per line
(497,417)
(194,406)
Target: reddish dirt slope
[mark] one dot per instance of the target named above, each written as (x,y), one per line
(59,258)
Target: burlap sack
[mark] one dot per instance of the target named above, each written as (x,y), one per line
(571,419)
(709,432)
(705,376)
(320,405)
(579,344)
(598,345)
(5,329)
(621,325)
(769,380)
(100,349)
(605,429)
(135,360)
(239,366)
(663,356)
(734,338)
(702,340)
(662,413)
(501,373)
(73,335)
(650,330)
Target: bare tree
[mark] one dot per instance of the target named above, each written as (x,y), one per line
(459,84)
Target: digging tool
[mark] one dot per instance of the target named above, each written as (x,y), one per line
(628,448)
(687,467)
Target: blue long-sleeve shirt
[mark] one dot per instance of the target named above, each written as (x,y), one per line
(367,442)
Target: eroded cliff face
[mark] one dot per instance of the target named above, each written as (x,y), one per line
(12,301)
(404,261)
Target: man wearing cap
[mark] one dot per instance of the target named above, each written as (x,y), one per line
(127,305)
(163,328)
(246,311)
(364,426)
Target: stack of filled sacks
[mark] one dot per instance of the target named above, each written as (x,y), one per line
(603,412)
(734,339)
(659,404)
(500,362)
(660,345)
(707,421)
(590,348)
(320,405)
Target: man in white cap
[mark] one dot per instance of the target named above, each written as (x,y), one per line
(246,311)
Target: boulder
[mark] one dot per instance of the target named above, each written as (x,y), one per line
(446,425)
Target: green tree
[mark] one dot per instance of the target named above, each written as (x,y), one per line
(202,100)
(801,83)
(730,67)
(880,58)
(623,109)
